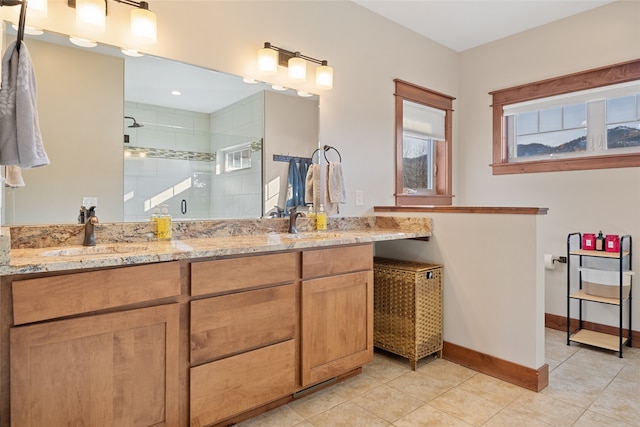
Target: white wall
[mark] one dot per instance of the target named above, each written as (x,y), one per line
(585,201)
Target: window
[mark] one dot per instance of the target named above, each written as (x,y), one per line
(587,120)
(423,146)
(237,159)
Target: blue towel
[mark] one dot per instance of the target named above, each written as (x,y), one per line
(304,168)
(293,191)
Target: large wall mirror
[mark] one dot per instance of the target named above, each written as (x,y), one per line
(114,130)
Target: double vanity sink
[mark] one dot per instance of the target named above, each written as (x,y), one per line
(224,322)
(191,241)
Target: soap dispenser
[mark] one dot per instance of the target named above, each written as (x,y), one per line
(600,242)
(165,224)
(153,220)
(321,219)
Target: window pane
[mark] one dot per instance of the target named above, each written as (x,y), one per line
(550,119)
(527,123)
(623,135)
(417,163)
(575,116)
(621,109)
(546,144)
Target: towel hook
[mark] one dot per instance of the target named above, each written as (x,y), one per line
(327,148)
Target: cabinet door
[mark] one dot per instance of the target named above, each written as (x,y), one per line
(337,325)
(118,369)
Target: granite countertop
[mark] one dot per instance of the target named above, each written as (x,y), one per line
(120,252)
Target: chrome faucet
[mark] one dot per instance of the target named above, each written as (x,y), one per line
(293,216)
(89,220)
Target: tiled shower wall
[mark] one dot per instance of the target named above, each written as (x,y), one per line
(177,167)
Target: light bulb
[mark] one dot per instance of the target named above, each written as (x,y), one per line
(40,7)
(91,14)
(267,60)
(297,69)
(144,24)
(324,76)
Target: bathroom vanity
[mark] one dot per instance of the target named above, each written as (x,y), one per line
(198,332)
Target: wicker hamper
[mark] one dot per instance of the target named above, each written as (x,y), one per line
(407,308)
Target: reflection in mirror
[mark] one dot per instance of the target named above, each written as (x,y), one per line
(206,153)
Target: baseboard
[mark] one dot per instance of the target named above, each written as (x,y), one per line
(532,379)
(554,321)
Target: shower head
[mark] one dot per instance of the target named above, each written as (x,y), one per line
(135,123)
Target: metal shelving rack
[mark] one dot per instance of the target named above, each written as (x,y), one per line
(590,337)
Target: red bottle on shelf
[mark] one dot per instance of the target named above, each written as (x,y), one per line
(589,241)
(612,243)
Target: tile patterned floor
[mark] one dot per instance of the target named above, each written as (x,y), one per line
(587,388)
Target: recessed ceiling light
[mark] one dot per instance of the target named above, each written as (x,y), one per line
(304,94)
(278,87)
(132,52)
(250,80)
(176,92)
(79,41)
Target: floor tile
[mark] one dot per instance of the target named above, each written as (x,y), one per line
(466,406)
(316,403)
(347,415)
(510,418)
(577,383)
(593,419)
(419,385)
(388,403)
(546,408)
(428,416)
(620,401)
(283,416)
(385,367)
(603,361)
(356,386)
(492,389)
(447,372)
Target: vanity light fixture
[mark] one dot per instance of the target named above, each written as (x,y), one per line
(91,14)
(270,56)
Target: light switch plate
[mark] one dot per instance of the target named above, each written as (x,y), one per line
(88,202)
(359,197)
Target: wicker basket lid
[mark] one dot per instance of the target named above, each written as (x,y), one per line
(403,265)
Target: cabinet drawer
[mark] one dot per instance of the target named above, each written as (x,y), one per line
(69,294)
(230,324)
(226,275)
(327,262)
(236,384)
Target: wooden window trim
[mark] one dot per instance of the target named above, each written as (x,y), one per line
(597,77)
(442,194)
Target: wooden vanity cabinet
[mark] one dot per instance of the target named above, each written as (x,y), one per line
(337,311)
(114,369)
(243,337)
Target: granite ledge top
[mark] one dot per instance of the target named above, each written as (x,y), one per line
(120,253)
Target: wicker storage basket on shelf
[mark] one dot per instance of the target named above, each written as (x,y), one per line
(407,308)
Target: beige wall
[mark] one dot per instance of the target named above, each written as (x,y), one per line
(585,201)
(83,162)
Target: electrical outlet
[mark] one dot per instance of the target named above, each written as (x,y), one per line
(359,197)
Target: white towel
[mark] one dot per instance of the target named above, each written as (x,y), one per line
(20,138)
(335,183)
(312,186)
(14,177)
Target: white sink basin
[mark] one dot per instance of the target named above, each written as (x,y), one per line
(93,250)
